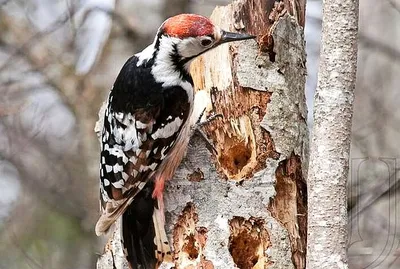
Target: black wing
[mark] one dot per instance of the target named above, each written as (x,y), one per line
(141,124)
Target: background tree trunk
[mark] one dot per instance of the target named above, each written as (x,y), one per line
(245,206)
(330,151)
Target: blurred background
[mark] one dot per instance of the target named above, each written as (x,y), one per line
(58,60)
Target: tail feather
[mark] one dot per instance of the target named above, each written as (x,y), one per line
(144,239)
(138,242)
(163,250)
(111,212)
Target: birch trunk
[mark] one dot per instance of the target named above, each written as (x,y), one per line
(245,206)
(333,109)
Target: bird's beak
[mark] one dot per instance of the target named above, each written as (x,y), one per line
(229,37)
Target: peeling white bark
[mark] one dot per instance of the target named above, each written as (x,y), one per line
(333,109)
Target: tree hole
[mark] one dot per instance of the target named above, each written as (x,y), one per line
(248,242)
(243,249)
(189,241)
(235,157)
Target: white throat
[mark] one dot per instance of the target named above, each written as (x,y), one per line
(164,69)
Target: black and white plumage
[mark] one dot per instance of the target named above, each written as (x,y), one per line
(146,131)
(140,127)
(143,121)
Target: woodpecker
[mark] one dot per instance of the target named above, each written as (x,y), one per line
(146,131)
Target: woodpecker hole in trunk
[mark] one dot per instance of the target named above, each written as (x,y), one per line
(235,156)
(248,242)
(241,143)
(189,241)
(236,148)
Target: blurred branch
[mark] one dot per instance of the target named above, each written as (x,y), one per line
(43,172)
(30,260)
(394,5)
(71,11)
(5,2)
(373,194)
(118,18)
(37,64)
(21,50)
(373,43)
(66,83)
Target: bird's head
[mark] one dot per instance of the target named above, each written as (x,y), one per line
(179,40)
(193,34)
(186,36)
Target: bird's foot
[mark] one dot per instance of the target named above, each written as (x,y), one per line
(196,128)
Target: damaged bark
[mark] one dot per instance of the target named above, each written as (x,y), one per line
(245,206)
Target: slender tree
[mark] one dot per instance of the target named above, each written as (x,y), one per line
(330,148)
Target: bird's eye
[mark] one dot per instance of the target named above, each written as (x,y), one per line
(206,42)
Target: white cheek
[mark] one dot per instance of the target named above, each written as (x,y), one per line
(190,47)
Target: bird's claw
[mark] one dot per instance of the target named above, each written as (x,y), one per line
(196,128)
